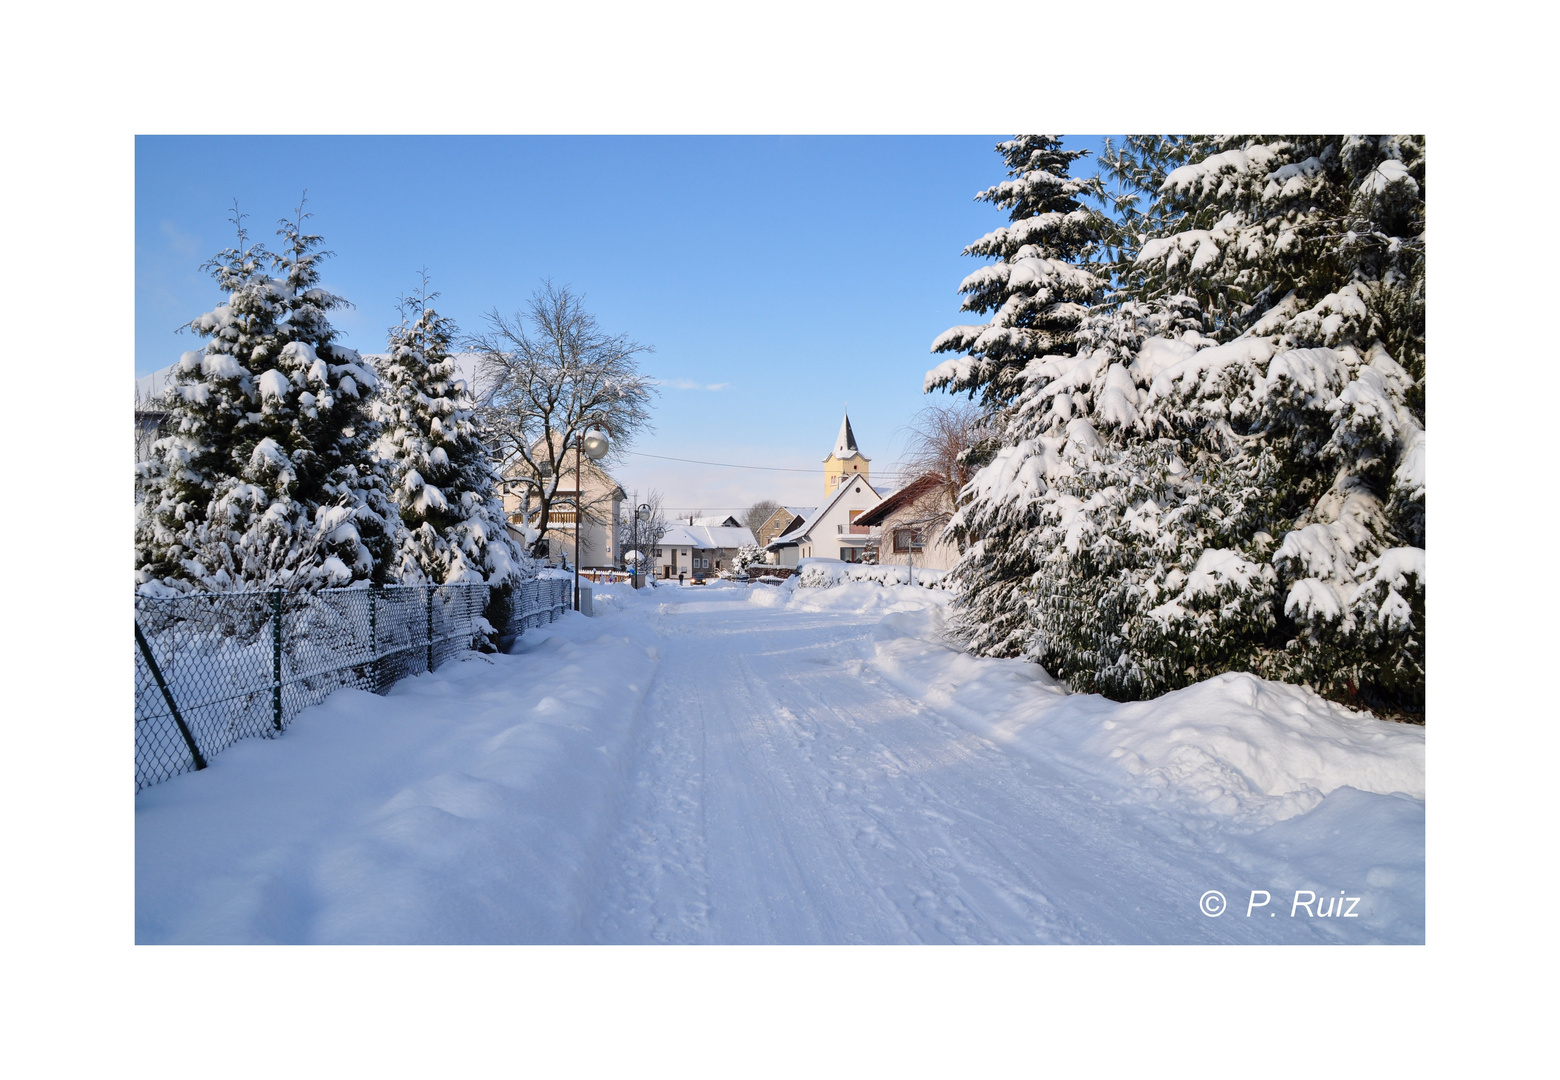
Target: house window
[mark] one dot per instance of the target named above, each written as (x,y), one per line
(851,554)
(908,540)
(857,530)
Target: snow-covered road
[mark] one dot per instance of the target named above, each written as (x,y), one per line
(719,766)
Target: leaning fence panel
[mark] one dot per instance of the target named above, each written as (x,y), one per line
(214,668)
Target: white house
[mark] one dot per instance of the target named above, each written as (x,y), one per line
(699,551)
(831,532)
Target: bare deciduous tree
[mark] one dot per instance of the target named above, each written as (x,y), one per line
(759,513)
(645,533)
(943,442)
(545,376)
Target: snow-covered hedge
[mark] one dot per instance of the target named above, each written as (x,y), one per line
(827,573)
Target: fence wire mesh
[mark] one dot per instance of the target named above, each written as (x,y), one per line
(214,668)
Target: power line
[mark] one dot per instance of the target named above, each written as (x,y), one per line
(721,464)
(890,475)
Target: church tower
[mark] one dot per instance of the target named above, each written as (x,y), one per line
(845,461)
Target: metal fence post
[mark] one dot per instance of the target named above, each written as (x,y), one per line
(430,628)
(373,640)
(276,659)
(151,662)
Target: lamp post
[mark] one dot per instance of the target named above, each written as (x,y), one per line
(639,551)
(592,444)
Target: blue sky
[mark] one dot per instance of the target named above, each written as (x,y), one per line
(797,274)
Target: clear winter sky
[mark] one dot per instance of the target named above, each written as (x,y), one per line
(777,277)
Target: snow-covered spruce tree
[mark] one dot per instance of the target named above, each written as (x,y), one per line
(266,478)
(1037,290)
(440,468)
(1040,285)
(1229,474)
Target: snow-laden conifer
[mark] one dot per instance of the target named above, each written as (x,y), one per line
(265,478)
(1040,284)
(441,472)
(1037,290)
(1229,473)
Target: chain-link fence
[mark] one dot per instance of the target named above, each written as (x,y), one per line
(213,668)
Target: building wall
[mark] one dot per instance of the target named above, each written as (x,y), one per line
(603,498)
(836,469)
(935,554)
(831,533)
(777,523)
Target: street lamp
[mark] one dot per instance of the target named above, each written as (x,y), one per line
(593,444)
(639,551)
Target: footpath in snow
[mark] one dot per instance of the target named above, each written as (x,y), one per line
(780,765)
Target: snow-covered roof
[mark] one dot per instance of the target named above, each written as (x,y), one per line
(147,387)
(845,444)
(799,511)
(707,536)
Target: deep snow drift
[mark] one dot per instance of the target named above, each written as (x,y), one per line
(774,764)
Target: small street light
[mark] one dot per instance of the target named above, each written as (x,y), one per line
(593,444)
(639,550)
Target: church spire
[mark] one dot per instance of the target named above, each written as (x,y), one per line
(845,460)
(845,445)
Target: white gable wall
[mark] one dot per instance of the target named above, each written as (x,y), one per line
(829,537)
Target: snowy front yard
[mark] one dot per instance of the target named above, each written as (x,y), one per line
(791,766)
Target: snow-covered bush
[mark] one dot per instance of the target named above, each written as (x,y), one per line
(746,556)
(265,478)
(1228,473)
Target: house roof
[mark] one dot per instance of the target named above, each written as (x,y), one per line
(800,532)
(906,495)
(707,536)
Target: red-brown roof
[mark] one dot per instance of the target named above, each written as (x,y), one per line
(906,495)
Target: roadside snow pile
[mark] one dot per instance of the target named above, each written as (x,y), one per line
(1243,746)
(1233,746)
(827,573)
(851,597)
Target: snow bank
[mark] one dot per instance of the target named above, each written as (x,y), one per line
(1242,746)
(1234,746)
(827,573)
(466,806)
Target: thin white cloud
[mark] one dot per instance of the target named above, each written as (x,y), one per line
(689,384)
(179,241)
